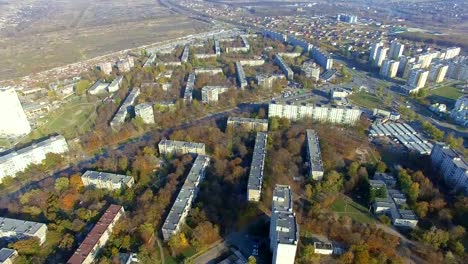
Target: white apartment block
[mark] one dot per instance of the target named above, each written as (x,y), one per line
(14,121)
(105,67)
(426,59)
(145,111)
(14,230)
(417,79)
(182,147)
(452,52)
(185,197)
(254,185)
(18,160)
(396,49)
(284,231)
(98,236)
(210,94)
(460,111)
(438,72)
(115,84)
(248,123)
(185,54)
(99,87)
(122,113)
(105,180)
(188,92)
(284,67)
(389,68)
(452,165)
(212,71)
(7,256)
(314,155)
(331,114)
(374,51)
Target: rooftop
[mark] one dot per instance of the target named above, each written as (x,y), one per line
(41,144)
(258,158)
(108,177)
(282,198)
(6,253)
(313,148)
(246,120)
(286,228)
(19,226)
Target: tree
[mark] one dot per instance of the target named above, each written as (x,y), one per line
(453,141)
(177,243)
(67,242)
(205,234)
(421,209)
(61,184)
(29,246)
(252,260)
(123,163)
(82,86)
(146,232)
(435,237)
(380,167)
(75,182)
(274,124)
(52,207)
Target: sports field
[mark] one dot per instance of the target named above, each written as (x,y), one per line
(346,206)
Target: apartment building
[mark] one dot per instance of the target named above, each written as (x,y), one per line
(254,186)
(98,236)
(417,79)
(15,229)
(332,114)
(145,111)
(438,72)
(115,84)
(185,54)
(389,68)
(460,111)
(284,67)
(260,125)
(181,147)
(188,92)
(451,165)
(396,49)
(242,81)
(314,155)
(14,121)
(125,107)
(105,180)
(210,94)
(16,161)
(185,198)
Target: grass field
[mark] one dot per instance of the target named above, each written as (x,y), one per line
(345,206)
(366,100)
(73,118)
(447,92)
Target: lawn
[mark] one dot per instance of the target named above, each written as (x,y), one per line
(71,119)
(366,100)
(448,92)
(345,206)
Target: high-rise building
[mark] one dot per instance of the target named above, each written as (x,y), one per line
(426,59)
(347,18)
(389,68)
(14,122)
(404,61)
(284,67)
(284,231)
(437,72)
(381,56)
(452,52)
(452,165)
(409,67)
(374,51)
(417,79)
(396,49)
(105,67)
(460,111)
(311,70)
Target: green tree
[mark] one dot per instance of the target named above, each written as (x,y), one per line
(435,237)
(274,124)
(82,86)
(29,246)
(252,260)
(52,207)
(61,184)
(380,167)
(67,242)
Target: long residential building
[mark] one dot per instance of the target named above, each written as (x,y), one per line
(211,71)
(18,160)
(115,84)
(275,35)
(14,121)
(185,197)
(122,113)
(241,75)
(98,236)
(185,54)
(284,67)
(105,180)
(15,229)
(188,93)
(210,94)
(314,155)
(451,165)
(331,114)
(305,46)
(181,147)
(254,186)
(8,256)
(284,231)
(248,123)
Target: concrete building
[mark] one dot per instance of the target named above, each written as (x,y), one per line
(188,92)
(14,122)
(284,231)
(150,61)
(105,180)
(437,72)
(245,48)
(338,93)
(347,18)
(426,59)
(389,68)
(254,186)
(458,69)
(284,67)
(185,198)
(304,45)
(217,48)
(16,161)
(403,63)
(211,71)
(451,53)
(396,49)
(8,256)
(13,230)
(274,35)
(125,108)
(323,248)
(323,59)
(105,67)
(145,111)
(409,67)
(123,66)
(210,94)
(314,155)
(266,81)
(381,56)
(182,147)
(375,47)
(451,165)
(290,55)
(98,236)
(242,81)
(331,114)
(99,87)
(311,70)
(460,111)
(185,54)
(115,85)
(252,63)
(416,80)
(248,123)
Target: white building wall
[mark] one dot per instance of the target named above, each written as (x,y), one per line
(14,121)
(284,254)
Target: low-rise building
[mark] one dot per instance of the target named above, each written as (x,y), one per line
(123,66)
(211,71)
(185,54)
(254,186)
(248,123)
(16,161)
(105,67)
(181,147)
(451,165)
(8,256)
(185,198)
(266,81)
(98,236)
(145,111)
(105,180)
(323,248)
(314,155)
(211,94)
(15,229)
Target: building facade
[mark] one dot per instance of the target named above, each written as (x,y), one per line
(15,229)
(260,125)
(437,72)
(145,111)
(181,147)
(122,112)
(210,94)
(105,180)
(460,111)
(242,81)
(284,67)
(389,68)
(254,185)
(14,121)
(451,165)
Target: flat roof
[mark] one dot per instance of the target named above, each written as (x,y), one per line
(286,228)
(282,198)
(258,159)
(108,177)
(6,253)
(313,147)
(181,144)
(19,226)
(247,120)
(44,143)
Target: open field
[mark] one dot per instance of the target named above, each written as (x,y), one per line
(70,31)
(448,92)
(366,100)
(346,206)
